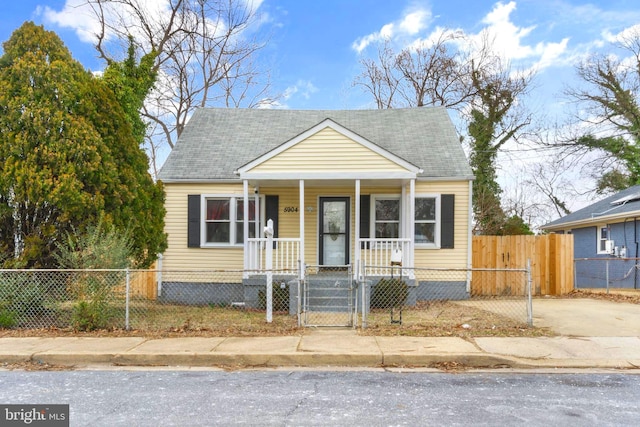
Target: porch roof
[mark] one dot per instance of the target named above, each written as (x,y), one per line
(216,142)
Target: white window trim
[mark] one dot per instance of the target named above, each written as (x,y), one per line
(438,223)
(232,215)
(372,214)
(599,239)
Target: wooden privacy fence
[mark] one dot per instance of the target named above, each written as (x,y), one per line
(144,284)
(551,259)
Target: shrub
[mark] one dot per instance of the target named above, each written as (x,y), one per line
(90,315)
(100,247)
(7,319)
(389,293)
(24,300)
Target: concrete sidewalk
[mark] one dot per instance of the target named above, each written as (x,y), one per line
(328,348)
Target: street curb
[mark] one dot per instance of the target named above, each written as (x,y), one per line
(311,360)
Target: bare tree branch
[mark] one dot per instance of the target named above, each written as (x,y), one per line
(206,52)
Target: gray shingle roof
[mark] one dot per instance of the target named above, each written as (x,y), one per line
(599,211)
(216,142)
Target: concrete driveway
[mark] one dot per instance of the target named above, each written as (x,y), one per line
(587,317)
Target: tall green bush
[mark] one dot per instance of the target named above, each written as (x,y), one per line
(101,247)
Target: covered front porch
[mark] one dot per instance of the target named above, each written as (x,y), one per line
(329,223)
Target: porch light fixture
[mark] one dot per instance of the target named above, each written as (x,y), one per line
(309,208)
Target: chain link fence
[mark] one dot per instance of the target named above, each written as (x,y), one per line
(235,302)
(434,299)
(219,302)
(329,296)
(607,273)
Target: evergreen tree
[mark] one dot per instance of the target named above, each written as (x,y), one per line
(67,155)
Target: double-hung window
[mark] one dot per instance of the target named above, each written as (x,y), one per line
(224,220)
(240,220)
(426,221)
(603,236)
(387,217)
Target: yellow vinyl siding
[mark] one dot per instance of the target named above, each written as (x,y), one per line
(328,150)
(288,222)
(178,256)
(458,257)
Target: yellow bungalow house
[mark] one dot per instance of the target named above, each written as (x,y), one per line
(341,187)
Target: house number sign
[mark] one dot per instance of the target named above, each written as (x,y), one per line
(291,209)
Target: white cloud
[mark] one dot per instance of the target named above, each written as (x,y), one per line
(510,40)
(550,53)
(623,36)
(414,22)
(75,14)
(79,16)
(410,24)
(507,37)
(303,87)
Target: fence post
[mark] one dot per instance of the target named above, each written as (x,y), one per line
(299,296)
(159,274)
(529,299)
(268,231)
(364,296)
(126,304)
(606,274)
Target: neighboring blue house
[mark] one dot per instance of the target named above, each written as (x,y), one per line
(606,230)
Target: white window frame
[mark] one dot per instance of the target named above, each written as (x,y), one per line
(437,222)
(233,199)
(373,222)
(600,241)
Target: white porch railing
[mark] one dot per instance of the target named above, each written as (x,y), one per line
(286,255)
(375,254)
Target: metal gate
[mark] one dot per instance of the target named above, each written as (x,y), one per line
(329,297)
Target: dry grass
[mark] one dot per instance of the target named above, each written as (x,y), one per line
(437,319)
(449,319)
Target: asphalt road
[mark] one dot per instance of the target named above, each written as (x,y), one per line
(335,398)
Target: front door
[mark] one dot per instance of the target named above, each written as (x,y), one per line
(334,230)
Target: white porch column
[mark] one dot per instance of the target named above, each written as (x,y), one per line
(302,245)
(412,221)
(356,243)
(257,214)
(245,251)
(404,203)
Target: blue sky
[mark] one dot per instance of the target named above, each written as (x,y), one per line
(315,45)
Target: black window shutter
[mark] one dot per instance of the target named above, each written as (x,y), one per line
(271,213)
(193,222)
(447,213)
(365,216)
